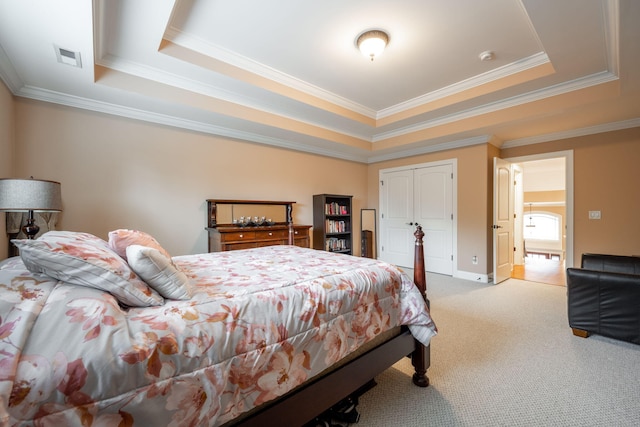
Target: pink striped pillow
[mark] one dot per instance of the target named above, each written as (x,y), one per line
(119,240)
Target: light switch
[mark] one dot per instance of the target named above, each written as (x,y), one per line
(594,215)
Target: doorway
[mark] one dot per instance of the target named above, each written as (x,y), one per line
(543,231)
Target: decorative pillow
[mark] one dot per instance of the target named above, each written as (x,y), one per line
(120,239)
(86,260)
(159,272)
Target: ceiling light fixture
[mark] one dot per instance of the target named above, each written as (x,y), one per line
(372,43)
(531,224)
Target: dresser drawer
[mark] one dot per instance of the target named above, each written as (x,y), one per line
(236,246)
(238,236)
(272,234)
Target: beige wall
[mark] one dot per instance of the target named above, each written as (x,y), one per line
(117,172)
(606,176)
(6,153)
(121,173)
(473,205)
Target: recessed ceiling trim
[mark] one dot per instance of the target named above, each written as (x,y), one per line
(166,120)
(198,45)
(118,110)
(573,133)
(127,70)
(533,61)
(559,89)
(467,142)
(154,74)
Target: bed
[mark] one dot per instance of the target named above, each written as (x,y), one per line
(100,333)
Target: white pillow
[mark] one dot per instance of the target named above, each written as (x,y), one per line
(86,260)
(159,272)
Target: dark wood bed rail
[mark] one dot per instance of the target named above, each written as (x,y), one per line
(321,394)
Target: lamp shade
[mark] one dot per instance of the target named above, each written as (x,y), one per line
(30,195)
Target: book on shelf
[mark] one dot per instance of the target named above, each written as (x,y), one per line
(334,244)
(335,226)
(335,209)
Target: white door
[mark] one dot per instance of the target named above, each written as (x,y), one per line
(396,218)
(433,207)
(502,220)
(518,216)
(421,196)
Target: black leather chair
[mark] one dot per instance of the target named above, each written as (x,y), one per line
(604,297)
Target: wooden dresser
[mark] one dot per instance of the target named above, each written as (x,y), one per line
(225,235)
(231,238)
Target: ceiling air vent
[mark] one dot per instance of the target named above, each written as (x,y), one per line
(68,57)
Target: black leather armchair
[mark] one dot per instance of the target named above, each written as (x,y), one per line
(604,297)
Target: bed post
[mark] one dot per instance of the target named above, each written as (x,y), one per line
(292,234)
(420,358)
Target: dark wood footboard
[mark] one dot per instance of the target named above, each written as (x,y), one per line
(305,403)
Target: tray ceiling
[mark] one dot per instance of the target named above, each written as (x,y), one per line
(288,73)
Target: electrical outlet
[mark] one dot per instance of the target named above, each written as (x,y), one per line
(474,260)
(594,215)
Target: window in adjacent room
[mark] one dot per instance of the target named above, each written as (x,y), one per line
(545,226)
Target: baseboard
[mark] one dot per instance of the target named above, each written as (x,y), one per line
(474,277)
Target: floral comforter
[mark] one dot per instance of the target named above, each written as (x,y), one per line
(261,322)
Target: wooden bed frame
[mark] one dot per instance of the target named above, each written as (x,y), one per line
(302,405)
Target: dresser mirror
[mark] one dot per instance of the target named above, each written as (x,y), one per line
(233,213)
(250,212)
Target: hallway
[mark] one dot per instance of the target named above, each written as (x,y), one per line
(549,271)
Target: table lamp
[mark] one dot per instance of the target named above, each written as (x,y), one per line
(29,195)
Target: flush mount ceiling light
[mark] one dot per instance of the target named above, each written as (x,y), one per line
(372,43)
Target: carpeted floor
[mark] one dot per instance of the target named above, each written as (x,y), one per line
(505,356)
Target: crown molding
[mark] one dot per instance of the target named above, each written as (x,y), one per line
(154,74)
(572,133)
(464,85)
(450,145)
(209,49)
(366,157)
(167,120)
(492,107)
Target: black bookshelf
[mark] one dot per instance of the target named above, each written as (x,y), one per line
(332,224)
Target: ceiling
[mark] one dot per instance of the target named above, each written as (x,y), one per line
(287,73)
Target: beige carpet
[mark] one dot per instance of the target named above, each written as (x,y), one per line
(505,356)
